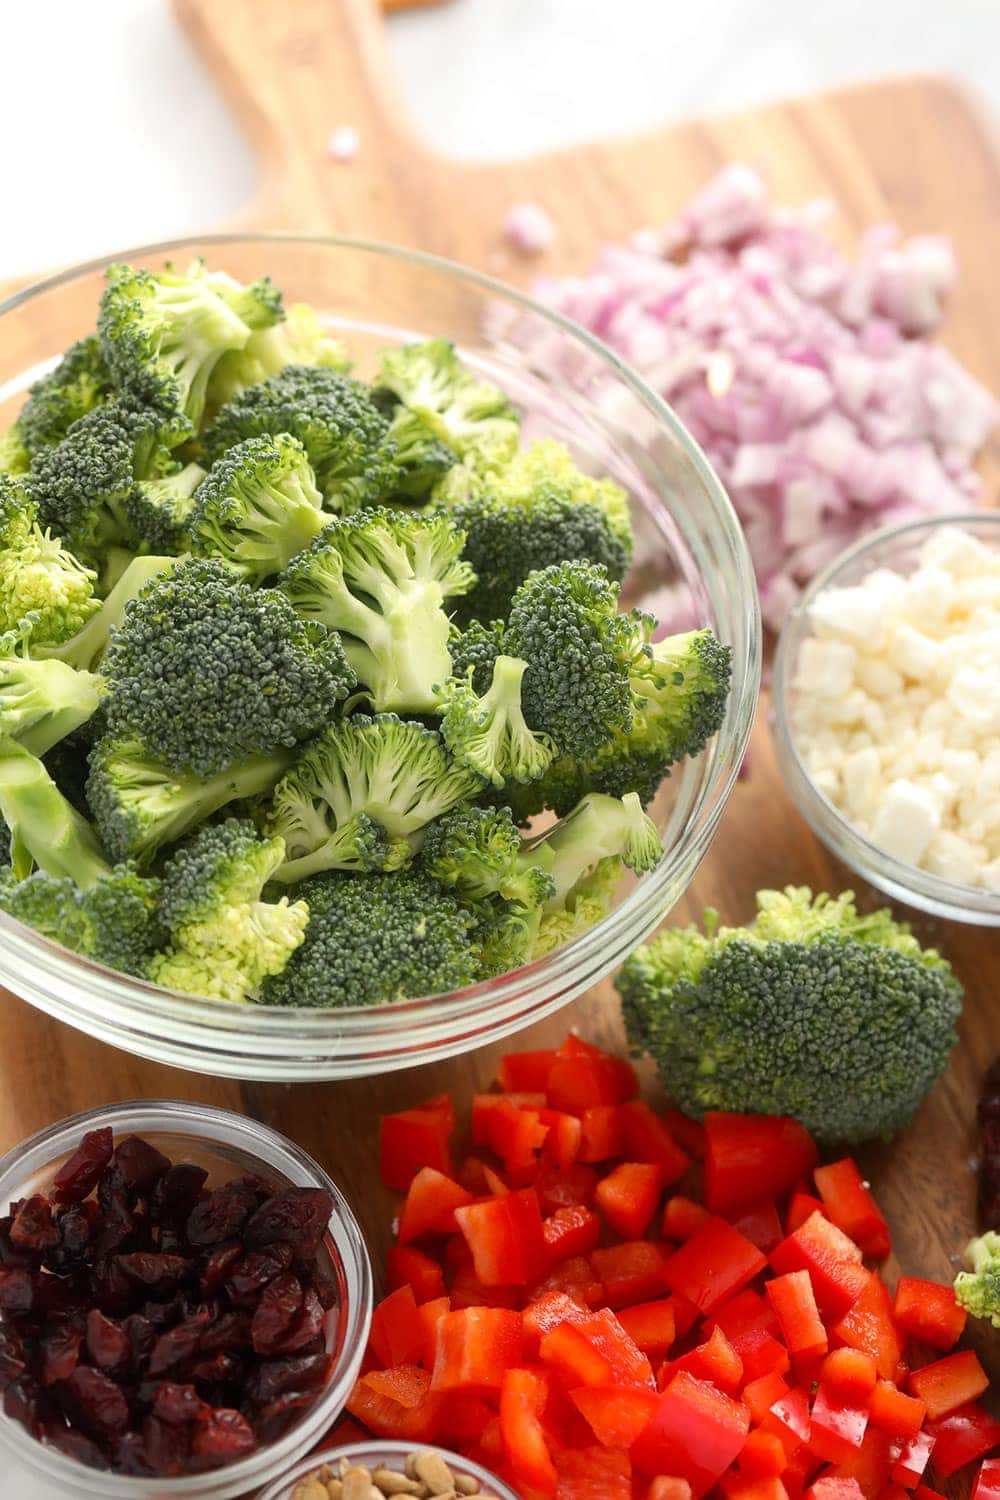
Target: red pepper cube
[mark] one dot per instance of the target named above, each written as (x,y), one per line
(511,1127)
(523,1394)
(682,1218)
(750,1325)
(582,1077)
(430,1205)
(525,1072)
(712,1265)
(430,1314)
(751,1157)
(416,1138)
(761,1225)
(648,1139)
(690,1134)
(387,1418)
(928,1312)
(569,1232)
(987,1485)
(949,1383)
(908,1470)
(761,1394)
(407,1385)
(832,1260)
(548,1312)
(650,1324)
(740,1487)
(763,1455)
(397,1333)
(789,1419)
(616,1417)
(596,1351)
(574,1277)
(694,1434)
(506,1237)
(870,1326)
(961,1437)
(602,1135)
(715,1360)
(794,1305)
(830,1487)
(405,1266)
(871,1463)
(593,1474)
(475,1347)
(849,1203)
(563,1189)
(565,1135)
(837,1429)
(891,1409)
(629,1197)
(630,1273)
(850,1374)
(801,1206)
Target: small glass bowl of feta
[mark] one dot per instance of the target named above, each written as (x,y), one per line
(886,712)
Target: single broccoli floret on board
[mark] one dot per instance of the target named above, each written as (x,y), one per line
(978,1290)
(158,510)
(46,594)
(489,733)
(112,922)
(45,829)
(258,507)
(476,421)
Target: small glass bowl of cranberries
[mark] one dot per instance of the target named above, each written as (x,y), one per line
(184,1303)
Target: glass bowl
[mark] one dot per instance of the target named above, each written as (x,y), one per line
(895,547)
(691,563)
(227,1145)
(393,1456)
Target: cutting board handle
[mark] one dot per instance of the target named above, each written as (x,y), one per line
(292,71)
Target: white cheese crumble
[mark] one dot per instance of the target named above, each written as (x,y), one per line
(896,708)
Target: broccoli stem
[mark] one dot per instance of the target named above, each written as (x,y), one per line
(85,648)
(45,829)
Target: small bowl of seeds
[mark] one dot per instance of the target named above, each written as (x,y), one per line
(377,1470)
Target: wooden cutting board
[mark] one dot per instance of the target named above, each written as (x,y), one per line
(917,150)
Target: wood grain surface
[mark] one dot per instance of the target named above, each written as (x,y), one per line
(917,150)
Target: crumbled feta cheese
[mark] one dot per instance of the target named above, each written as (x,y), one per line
(826,668)
(912,653)
(855,615)
(906,821)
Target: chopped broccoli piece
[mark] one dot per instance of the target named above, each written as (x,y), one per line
(298,339)
(373,939)
(474,420)
(210,671)
(139,805)
(978,1290)
(358,792)
(598,828)
(158,510)
(45,829)
(422,457)
(112,922)
(258,507)
(46,595)
(75,386)
(586,904)
(478,850)
(474,651)
(381,578)
(814,1011)
(87,646)
(15,459)
(334,418)
(489,732)
(224,939)
(41,702)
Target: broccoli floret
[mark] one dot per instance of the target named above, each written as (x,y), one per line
(813,1010)
(258,507)
(488,733)
(139,805)
(15,459)
(476,421)
(381,578)
(158,510)
(45,593)
(474,651)
(112,922)
(334,418)
(422,457)
(224,939)
(479,852)
(978,1290)
(75,386)
(45,829)
(298,339)
(598,828)
(41,702)
(87,646)
(586,904)
(373,939)
(209,670)
(360,790)
(162,334)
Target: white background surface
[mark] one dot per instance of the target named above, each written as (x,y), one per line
(114,135)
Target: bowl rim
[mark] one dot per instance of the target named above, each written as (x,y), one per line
(904,882)
(642,907)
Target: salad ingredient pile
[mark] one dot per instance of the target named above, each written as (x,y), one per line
(814,1010)
(896,707)
(289,659)
(154,1326)
(602,1300)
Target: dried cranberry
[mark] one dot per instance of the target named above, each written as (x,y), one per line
(108,1342)
(254,1272)
(175,1345)
(162,1315)
(141,1338)
(326,1289)
(275,1377)
(166,1448)
(277,1417)
(17,1291)
(298,1215)
(57,1296)
(79,1175)
(22,1402)
(97,1404)
(60,1351)
(177,1191)
(177,1404)
(222,1214)
(305,1329)
(277,1310)
(34,1227)
(218,1371)
(12,1258)
(12,1364)
(158,1275)
(228,1332)
(220,1264)
(114,1224)
(128,1454)
(110,1288)
(136,1165)
(223,1437)
(73,1226)
(73,1443)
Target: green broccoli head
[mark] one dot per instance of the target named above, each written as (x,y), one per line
(344,434)
(158,510)
(474,420)
(258,507)
(422,457)
(112,922)
(15,460)
(41,702)
(210,671)
(478,851)
(77,383)
(814,1011)
(360,790)
(978,1290)
(474,651)
(45,829)
(46,594)
(86,648)
(373,939)
(489,733)
(381,578)
(298,339)
(224,940)
(587,903)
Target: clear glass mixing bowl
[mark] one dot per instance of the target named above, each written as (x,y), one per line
(691,563)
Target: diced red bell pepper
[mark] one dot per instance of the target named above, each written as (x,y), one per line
(713,1264)
(924,1492)
(405,1266)
(685,1315)
(633,1272)
(695,1433)
(416,1138)
(949,1383)
(850,1374)
(689,1134)
(648,1139)
(870,1326)
(468,1291)
(565,1135)
(908,1470)
(484,1106)
(789,1419)
(749,1157)
(650,1324)
(475,1346)
(593,1474)
(668,1487)
(829,1487)
(801,1470)
(715,1360)
(987,1485)
(570,1231)
(525,1072)
(397,1332)
(832,1260)
(506,1238)
(750,1325)
(575,1277)
(894,1411)
(558,1189)
(794,1305)
(406,1384)
(596,1351)
(836,1428)
(802,1206)
(582,1077)
(763,1455)
(682,1218)
(602,1135)
(388,1419)
(512,1130)
(928,1312)
(522,1399)
(761,1394)
(464,1421)
(548,1311)
(616,1416)
(430,1205)
(761,1225)
(848,1201)
(894,1492)
(430,1314)
(628,1197)
(870,1464)
(961,1437)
